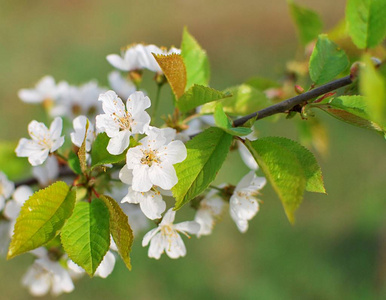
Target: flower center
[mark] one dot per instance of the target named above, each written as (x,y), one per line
(149,157)
(125,121)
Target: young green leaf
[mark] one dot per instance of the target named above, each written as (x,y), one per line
(244,100)
(308,22)
(351,109)
(327,60)
(120,229)
(198,95)
(366,22)
(41,218)
(196,61)
(373,86)
(175,71)
(100,155)
(224,123)
(82,151)
(73,163)
(206,154)
(86,235)
(289,167)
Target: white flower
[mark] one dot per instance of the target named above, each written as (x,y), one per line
(123,87)
(152,161)
(44,141)
(210,209)
(82,100)
(119,122)
(6,189)
(78,135)
(46,275)
(243,205)
(12,207)
(137,220)
(139,57)
(48,172)
(166,237)
(45,89)
(246,156)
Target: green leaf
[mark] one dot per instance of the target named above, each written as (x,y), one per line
(82,151)
(198,95)
(308,22)
(196,61)
(351,109)
(86,235)
(366,22)
(174,69)
(41,218)
(206,154)
(327,60)
(224,123)
(244,100)
(120,229)
(100,155)
(261,83)
(373,87)
(289,167)
(73,163)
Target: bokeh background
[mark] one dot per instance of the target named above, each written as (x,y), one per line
(336,250)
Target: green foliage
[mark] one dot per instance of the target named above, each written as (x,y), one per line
(225,123)
(100,155)
(41,218)
(86,235)
(261,83)
(196,61)
(245,99)
(120,229)
(373,87)
(73,163)
(351,109)
(289,167)
(10,164)
(327,61)
(198,95)
(206,154)
(366,22)
(175,71)
(308,22)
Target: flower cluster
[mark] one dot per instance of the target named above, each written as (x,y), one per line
(141,180)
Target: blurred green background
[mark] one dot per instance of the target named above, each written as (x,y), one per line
(336,250)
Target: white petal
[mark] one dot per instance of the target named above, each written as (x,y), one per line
(117,62)
(37,158)
(163,175)
(123,87)
(247,157)
(173,153)
(22,194)
(241,224)
(30,96)
(133,157)
(137,103)
(56,128)
(157,246)
(206,221)
(106,266)
(176,247)
(12,210)
(119,143)
(149,235)
(126,175)
(244,207)
(168,217)
(57,144)
(191,227)
(104,123)
(153,205)
(141,180)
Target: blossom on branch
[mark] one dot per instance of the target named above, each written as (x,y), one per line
(152,161)
(45,90)
(120,122)
(243,204)
(43,142)
(77,137)
(166,238)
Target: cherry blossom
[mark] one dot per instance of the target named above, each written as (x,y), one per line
(119,122)
(44,141)
(166,238)
(48,172)
(243,204)
(77,137)
(152,161)
(210,209)
(123,87)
